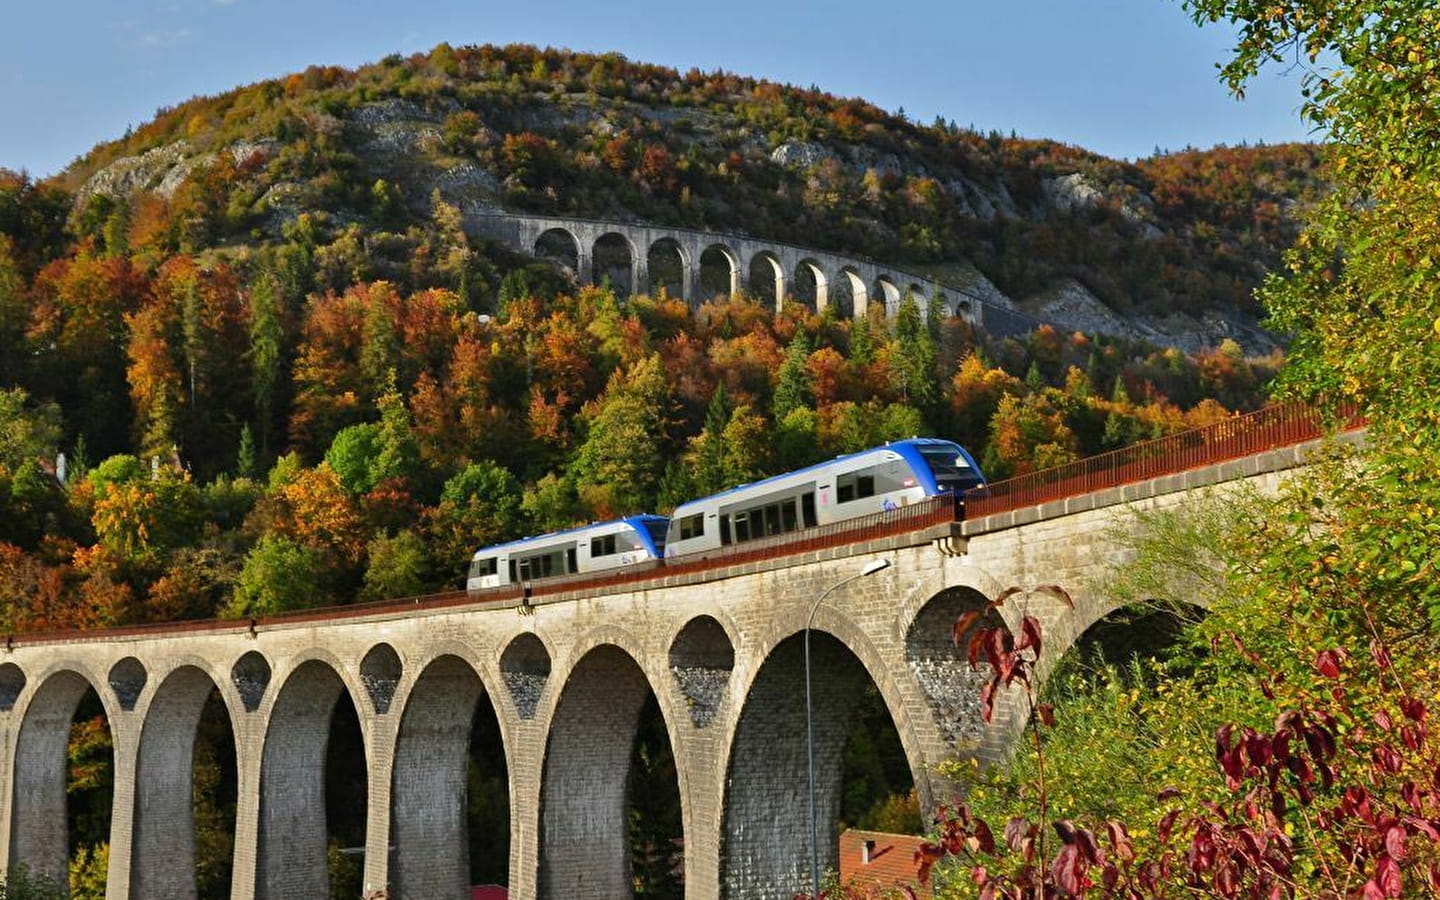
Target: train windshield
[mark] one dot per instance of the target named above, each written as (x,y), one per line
(656,529)
(952,471)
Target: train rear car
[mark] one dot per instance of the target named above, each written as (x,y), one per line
(579,551)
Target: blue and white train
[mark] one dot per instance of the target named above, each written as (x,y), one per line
(593,548)
(847,487)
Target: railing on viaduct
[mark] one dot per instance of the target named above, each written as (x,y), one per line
(1237,437)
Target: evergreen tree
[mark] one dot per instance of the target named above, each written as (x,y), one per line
(707,450)
(793,387)
(267,335)
(912,354)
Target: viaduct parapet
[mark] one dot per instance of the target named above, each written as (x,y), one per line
(566,675)
(698,265)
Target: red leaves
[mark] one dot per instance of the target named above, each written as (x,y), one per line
(1359,828)
(1386,882)
(1009,661)
(1327,662)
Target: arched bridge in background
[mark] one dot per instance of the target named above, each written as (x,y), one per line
(716,646)
(699,265)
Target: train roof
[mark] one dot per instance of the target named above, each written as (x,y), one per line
(636,522)
(892,445)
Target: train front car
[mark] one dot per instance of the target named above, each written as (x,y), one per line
(579,551)
(944,466)
(847,487)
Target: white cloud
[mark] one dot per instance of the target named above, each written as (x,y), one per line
(156,39)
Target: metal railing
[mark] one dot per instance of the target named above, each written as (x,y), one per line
(1281,425)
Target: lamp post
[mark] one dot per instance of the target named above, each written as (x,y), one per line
(875,565)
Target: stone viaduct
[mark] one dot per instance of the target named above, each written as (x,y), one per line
(566,673)
(697,265)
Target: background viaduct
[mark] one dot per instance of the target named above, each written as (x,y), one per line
(566,674)
(697,265)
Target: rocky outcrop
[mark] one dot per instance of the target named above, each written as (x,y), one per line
(1071,306)
(162,169)
(1072,192)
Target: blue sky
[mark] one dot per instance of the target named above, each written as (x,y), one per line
(1120,77)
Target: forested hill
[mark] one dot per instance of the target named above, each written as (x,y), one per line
(1175,238)
(282,373)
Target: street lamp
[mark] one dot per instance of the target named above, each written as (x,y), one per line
(875,565)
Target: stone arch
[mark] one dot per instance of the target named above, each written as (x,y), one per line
(163,843)
(852,297)
(1143,629)
(12,682)
(614,257)
(38,828)
(667,265)
(127,679)
(941,668)
(765,831)
(811,286)
(766,278)
(561,247)
(251,676)
(584,842)
(944,304)
(525,668)
(380,671)
(428,827)
(291,857)
(702,657)
(719,273)
(888,294)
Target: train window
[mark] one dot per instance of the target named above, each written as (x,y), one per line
(772,519)
(855,485)
(952,472)
(570,564)
(692,526)
(725,530)
(602,546)
(787,515)
(742,527)
(544,565)
(807,509)
(483,567)
(513,579)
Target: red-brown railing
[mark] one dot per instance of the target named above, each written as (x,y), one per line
(1234,438)
(902,520)
(1281,425)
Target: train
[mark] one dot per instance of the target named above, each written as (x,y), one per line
(591,548)
(847,487)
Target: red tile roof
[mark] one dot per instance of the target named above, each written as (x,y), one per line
(892,863)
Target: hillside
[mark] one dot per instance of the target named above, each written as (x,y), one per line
(1177,241)
(282,373)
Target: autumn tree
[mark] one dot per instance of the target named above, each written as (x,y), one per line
(13,313)
(479,506)
(617,468)
(76,340)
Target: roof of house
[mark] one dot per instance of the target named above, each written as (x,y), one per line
(892,861)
